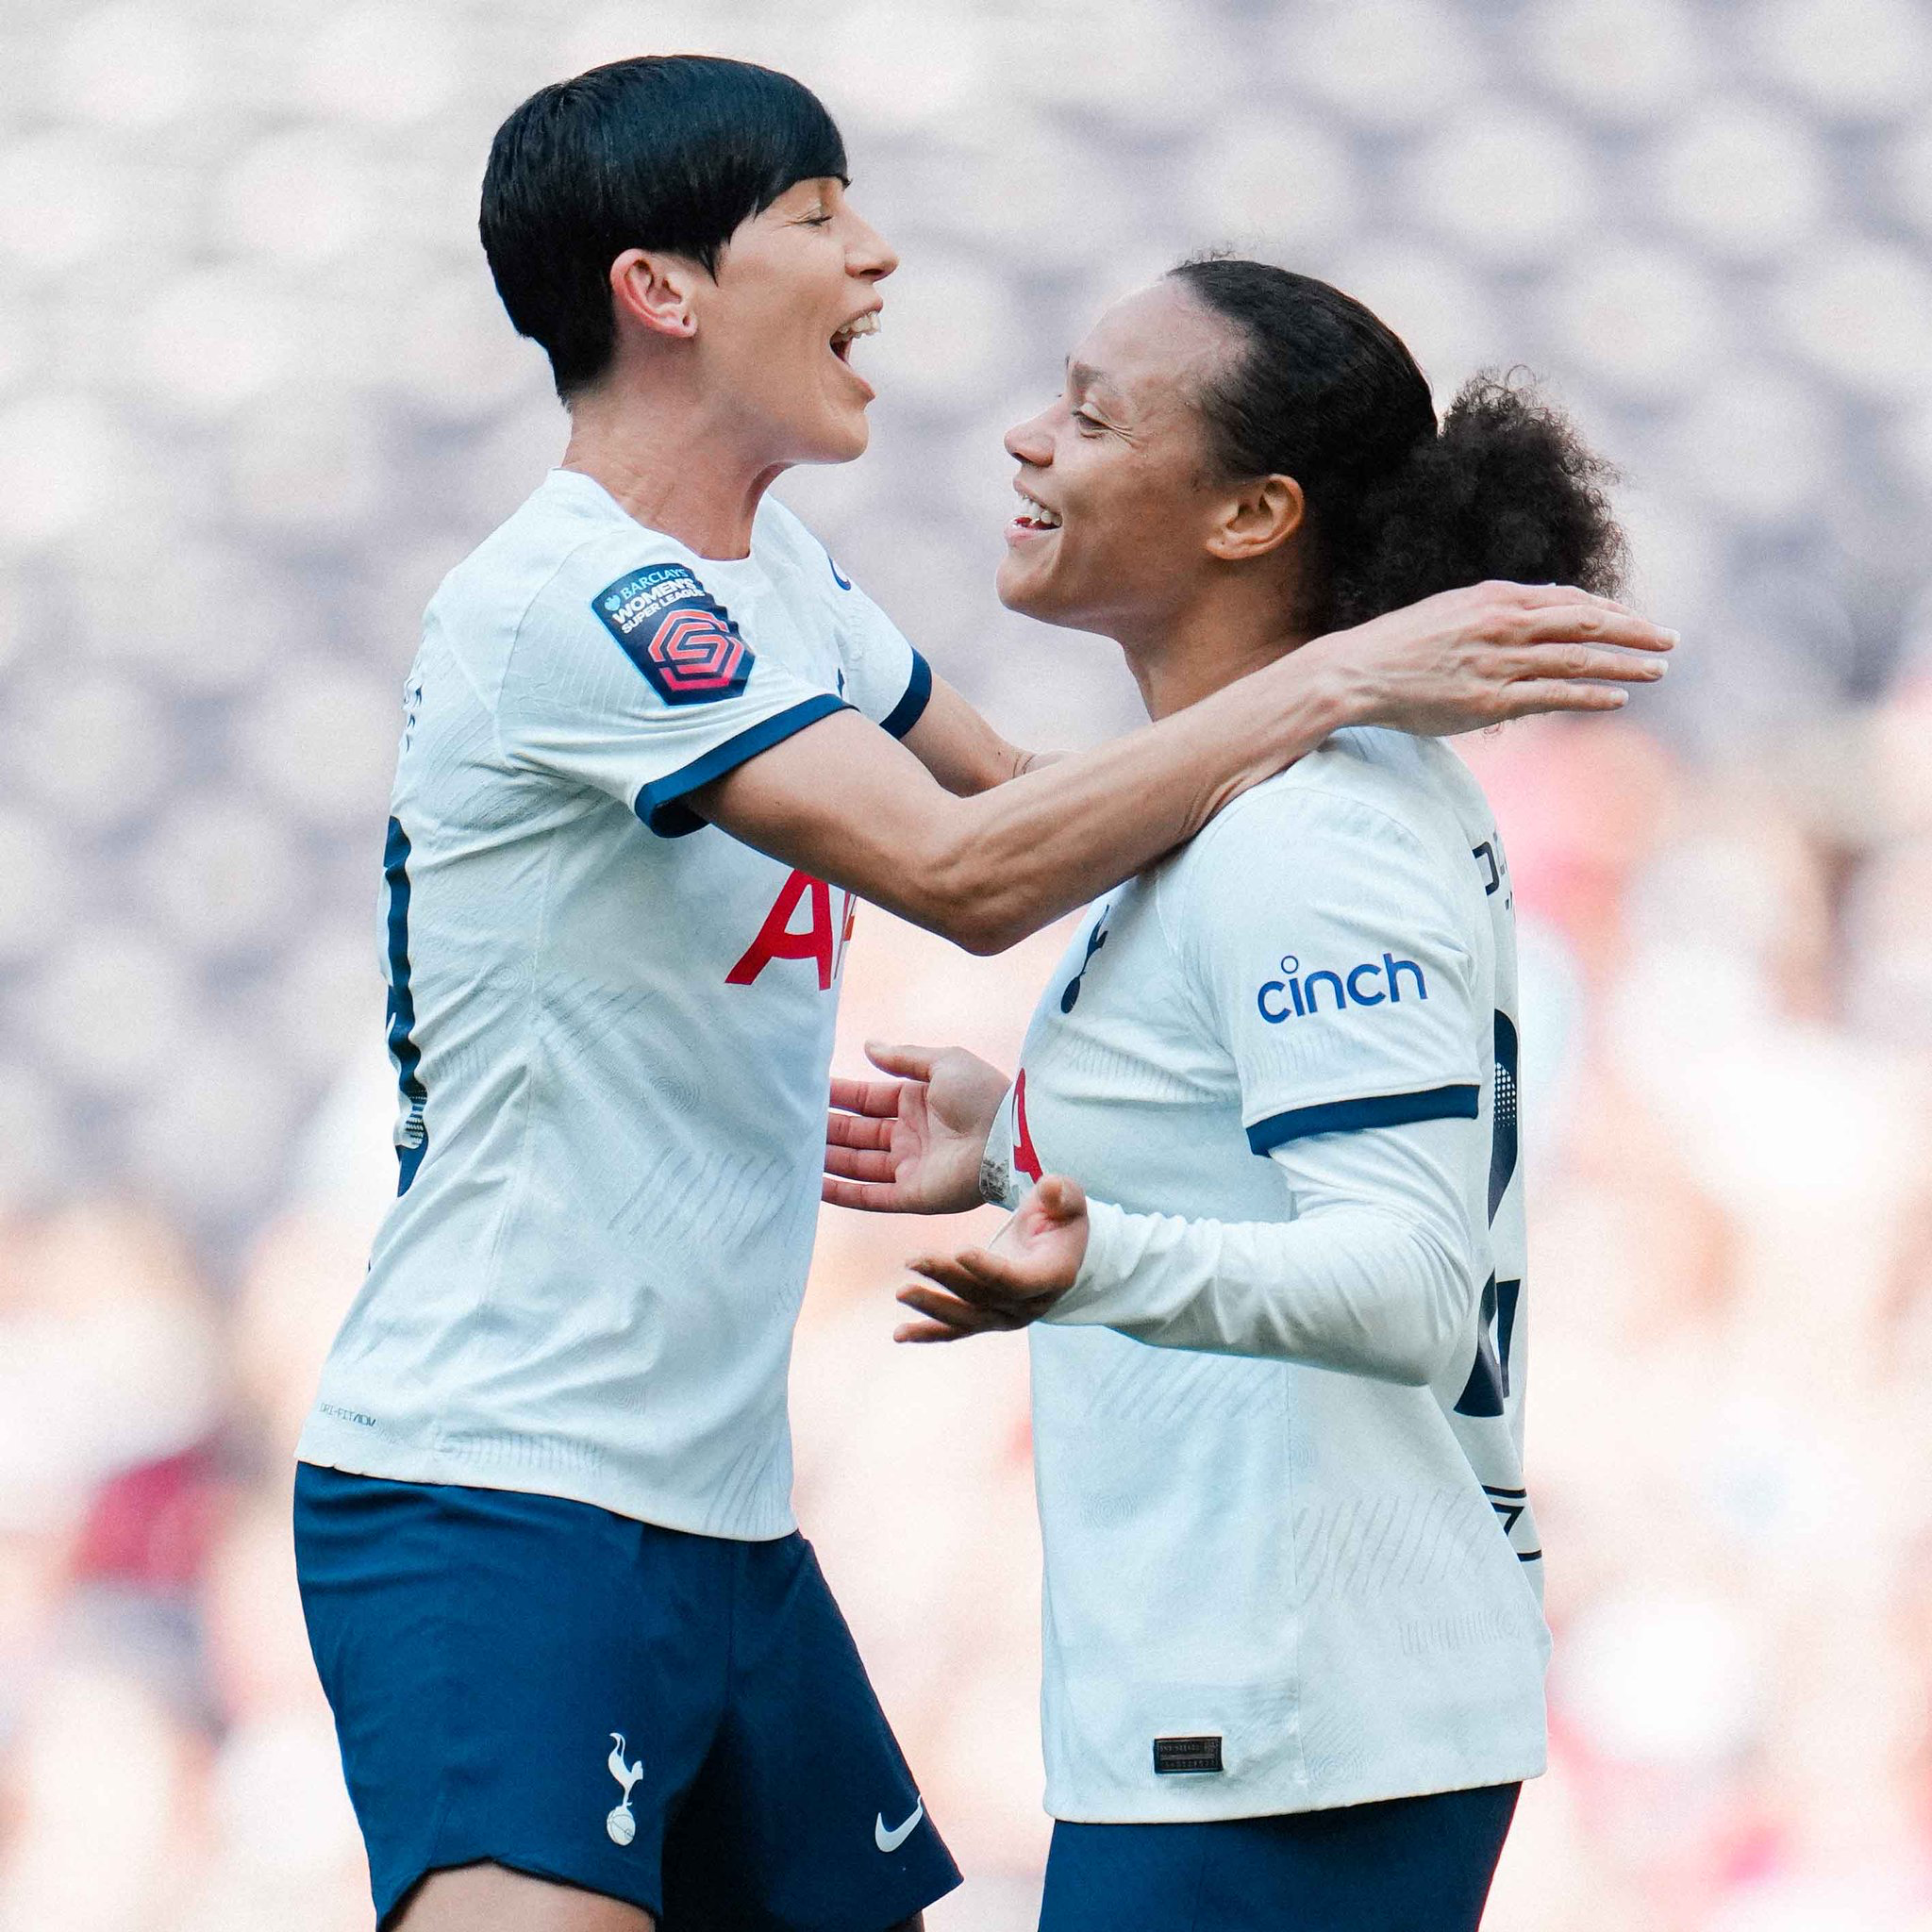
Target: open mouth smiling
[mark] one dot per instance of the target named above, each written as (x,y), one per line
(1033,517)
(844,336)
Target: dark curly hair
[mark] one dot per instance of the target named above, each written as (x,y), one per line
(1398,508)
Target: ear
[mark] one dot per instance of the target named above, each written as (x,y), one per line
(653,292)
(1259,517)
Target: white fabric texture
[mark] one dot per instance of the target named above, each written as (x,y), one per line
(1363,1280)
(1281,1063)
(613,1048)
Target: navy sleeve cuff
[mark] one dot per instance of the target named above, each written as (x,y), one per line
(907,711)
(1379,1110)
(660,804)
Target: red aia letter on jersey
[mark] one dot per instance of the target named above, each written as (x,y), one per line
(1025,1159)
(776,940)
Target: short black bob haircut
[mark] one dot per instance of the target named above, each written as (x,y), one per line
(667,151)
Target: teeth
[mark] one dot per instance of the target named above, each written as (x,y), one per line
(1038,512)
(860,326)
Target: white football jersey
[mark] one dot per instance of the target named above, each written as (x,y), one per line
(1272,1586)
(612,1023)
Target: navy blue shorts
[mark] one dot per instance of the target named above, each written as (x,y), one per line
(677,1720)
(1406,1865)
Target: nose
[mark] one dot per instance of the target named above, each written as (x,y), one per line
(867,253)
(1031,441)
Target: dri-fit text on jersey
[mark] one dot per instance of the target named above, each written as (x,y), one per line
(819,940)
(1297,994)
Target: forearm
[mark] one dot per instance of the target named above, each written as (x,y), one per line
(960,747)
(1068,828)
(989,869)
(1358,1287)
(851,805)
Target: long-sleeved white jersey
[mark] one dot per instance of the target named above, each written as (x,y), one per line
(1291,1562)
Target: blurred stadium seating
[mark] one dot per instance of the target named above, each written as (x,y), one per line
(256,396)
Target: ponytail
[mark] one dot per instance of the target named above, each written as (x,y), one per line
(1324,391)
(1506,490)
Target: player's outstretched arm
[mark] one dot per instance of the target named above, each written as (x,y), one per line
(849,804)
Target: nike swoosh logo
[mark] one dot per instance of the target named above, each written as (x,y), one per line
(891,1840)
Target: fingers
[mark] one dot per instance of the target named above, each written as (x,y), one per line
(870,1198)
(1529,696)
(1060,1198)
(929,1331)
(1586,661)
(1559,593)
(1540,596)
(977,1274)
(974,1276)
(909,1062)
(947,1318)
(1592,621)
(938,1307)
(878,1098)
(852,1166)
(858,1130)
(1555,614)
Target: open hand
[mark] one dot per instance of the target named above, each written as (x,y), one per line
(911,1145)
(1027,1267)
(1465,659)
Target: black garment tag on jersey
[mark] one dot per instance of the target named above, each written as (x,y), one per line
(1174,1756)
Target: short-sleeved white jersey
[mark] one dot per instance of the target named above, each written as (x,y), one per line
(1273,1587)
(612,1023)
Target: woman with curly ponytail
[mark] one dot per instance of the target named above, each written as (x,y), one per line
(1267,1122)
(1397,508)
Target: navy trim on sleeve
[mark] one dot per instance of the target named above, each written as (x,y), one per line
(1351,1116)
(907,711)
(659,803)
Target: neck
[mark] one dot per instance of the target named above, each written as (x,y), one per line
(637,440)
(1193,652)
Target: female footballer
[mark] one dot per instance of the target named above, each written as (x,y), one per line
(1266,1120)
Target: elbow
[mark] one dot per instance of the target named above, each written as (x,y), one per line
(1416,1365)
(994,929)
(961,900)
(1445,1298)
(1424,1360)
(1410,1372)
(978,927)
(974,927)
(1407,1363)
(985,941)
(1452,1302)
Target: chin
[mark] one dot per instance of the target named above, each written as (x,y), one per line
(1010,591)
(839,439)
(1021,590)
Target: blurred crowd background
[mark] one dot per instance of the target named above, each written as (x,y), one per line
(256,396)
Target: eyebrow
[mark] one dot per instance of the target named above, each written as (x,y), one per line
(1080,377)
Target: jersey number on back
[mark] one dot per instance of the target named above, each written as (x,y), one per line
(1488,1387)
